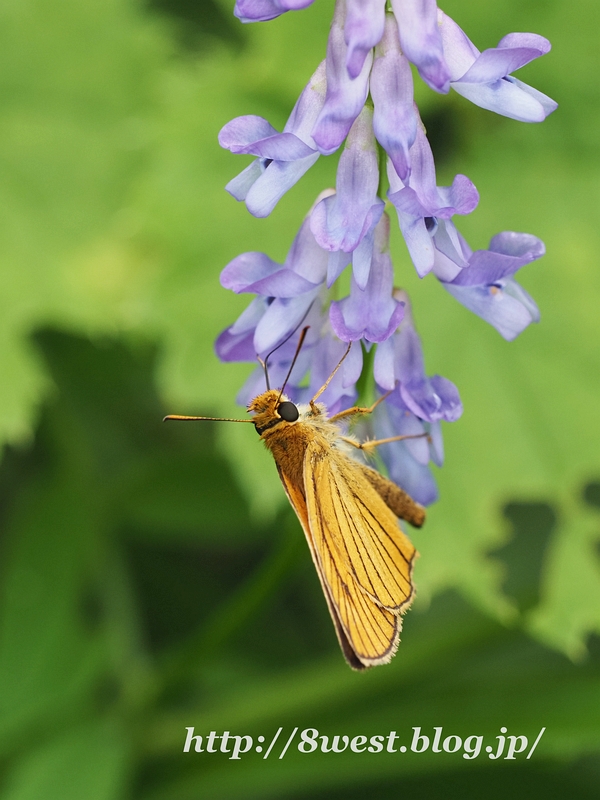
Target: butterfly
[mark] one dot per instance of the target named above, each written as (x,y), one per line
(348,512)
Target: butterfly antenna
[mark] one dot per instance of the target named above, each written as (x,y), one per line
(264,366)
(180,418)
(296,354)
(274,350)
(330,378)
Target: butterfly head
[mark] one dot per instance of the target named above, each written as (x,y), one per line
(272,408)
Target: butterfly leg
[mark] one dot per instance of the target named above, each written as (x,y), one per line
(359,409)
(370,444)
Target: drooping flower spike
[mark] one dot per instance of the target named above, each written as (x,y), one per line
(362,94)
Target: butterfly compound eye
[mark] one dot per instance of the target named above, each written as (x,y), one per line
(288,411)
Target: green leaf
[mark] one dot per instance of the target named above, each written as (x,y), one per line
(48,660)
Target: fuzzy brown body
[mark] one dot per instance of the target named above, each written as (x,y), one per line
(348,512)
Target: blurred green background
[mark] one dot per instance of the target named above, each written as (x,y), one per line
(152,577)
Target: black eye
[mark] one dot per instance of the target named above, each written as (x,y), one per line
(288,411)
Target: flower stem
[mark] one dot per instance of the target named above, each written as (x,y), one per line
(383,180)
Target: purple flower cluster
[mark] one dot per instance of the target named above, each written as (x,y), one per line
(361,97)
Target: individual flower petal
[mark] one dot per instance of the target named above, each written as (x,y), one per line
(391,85)
(422,197)
(488,289)
(371,313)
(433,399)
(341,221)
(257,273)
(421,41)
(337,263)
(236,343)
(449,257)
(242,131)
(239,186)
(422,205)
(363,29)
(362,255)
(504,304)
(345,96)
(436,444)
(513,52)
(303,271)
(508,252)
(236,137)
(282,317)
(484,78)
(418,241)
(276,180)
(263,10)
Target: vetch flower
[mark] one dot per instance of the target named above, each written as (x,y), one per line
(391,84)
(345,96)
(487,287)
(415,406)
(282,158)
(421,41)
(363,29)
(342,220)
(236,343)
(399,366)
(484,78)
(371,314)
(421,202)
(286,291)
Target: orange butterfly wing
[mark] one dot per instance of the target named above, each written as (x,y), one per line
(298,502)
(363,559)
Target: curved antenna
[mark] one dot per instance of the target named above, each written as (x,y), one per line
(296,354)
(274,350)
(330,378)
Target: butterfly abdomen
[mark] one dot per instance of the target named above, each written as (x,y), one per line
(395,498)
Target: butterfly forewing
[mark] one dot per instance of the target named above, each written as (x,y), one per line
(296,498)
(365,559)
